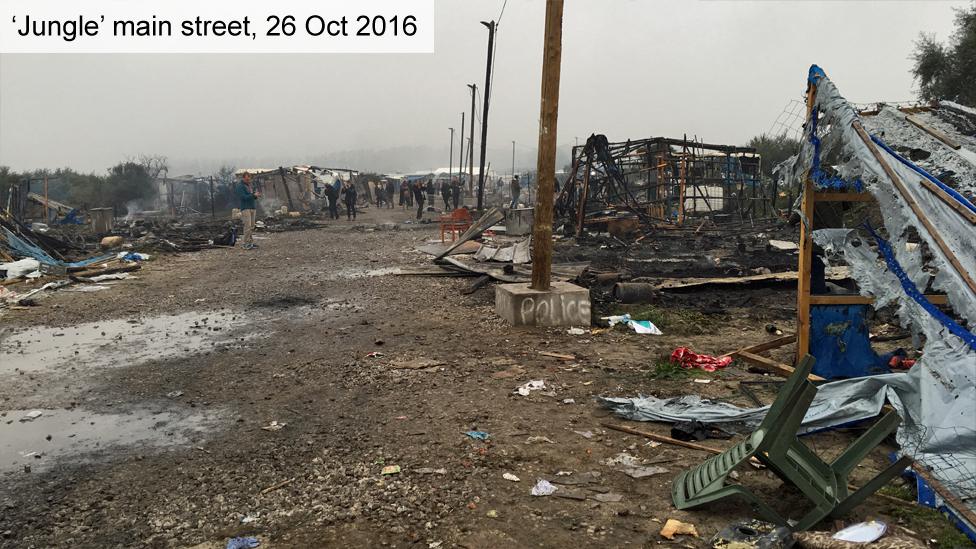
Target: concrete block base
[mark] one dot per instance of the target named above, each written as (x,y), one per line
(564,304)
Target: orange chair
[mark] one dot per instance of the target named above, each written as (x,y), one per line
(456,222)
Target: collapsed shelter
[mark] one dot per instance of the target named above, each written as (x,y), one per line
(663,181)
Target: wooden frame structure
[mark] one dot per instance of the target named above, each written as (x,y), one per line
(664,181)
(805,300)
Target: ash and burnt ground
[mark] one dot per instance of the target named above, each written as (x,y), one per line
(169,381)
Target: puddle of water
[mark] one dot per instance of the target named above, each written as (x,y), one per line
(75,436)
(359,272)
(118,342)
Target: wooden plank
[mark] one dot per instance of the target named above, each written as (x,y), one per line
(948,141)
(771,365)
(558,355)
(803,283)
(935,299)
(661,438)
(766,346)
(842,197)
(949,200)
(841,300)
(907,197)
(477,284)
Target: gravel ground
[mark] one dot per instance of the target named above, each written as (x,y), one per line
(288,333)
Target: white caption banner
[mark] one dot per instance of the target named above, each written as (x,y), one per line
(215,26)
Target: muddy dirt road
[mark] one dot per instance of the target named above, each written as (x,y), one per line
(228,393)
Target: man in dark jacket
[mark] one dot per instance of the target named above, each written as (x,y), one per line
(456,192)
(390,193)
(516,191)
(446,194)
(332,194)
(419,190)
(350,195)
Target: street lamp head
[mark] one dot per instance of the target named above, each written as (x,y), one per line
(489,25)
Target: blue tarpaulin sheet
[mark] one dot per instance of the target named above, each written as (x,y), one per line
(21,247)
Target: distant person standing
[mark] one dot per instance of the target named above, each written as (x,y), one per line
(431,191)
(419,189)
(390,193)
(446,194)
(332,194)
(248,210)
(516,191)
(406,195)
(350,195)
(456,192)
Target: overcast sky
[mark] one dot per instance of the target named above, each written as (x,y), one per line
(721,70)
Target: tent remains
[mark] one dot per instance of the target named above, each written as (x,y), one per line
(662,181)
(919,241)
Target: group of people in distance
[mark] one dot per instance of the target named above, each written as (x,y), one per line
(410,192)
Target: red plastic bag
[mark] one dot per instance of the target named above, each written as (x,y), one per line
(686,358)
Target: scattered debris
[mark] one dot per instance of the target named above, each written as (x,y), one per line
(390,470)
(415,363)
(274,426)
(639,326)
(511,477)
(632,466)
(478,435)
(862,532)
(686,358)
(560,356)
(674,527)
(243,543)
(752,534)
(430,471)
(31,416)
(274,487)
(543,488)
(526,388)
(538,439)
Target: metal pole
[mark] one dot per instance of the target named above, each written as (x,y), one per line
(47,203)
(461,152)
(513,158)
(546,167)
(484,115)
(450,163)
(474,88)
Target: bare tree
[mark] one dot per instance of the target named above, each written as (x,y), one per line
(154,164)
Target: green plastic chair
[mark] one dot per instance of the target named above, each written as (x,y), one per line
(776,445)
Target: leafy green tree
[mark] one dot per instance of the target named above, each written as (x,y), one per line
(128,182)
(948,71)
(773,149)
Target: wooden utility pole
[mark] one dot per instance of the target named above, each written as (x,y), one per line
(546,167)
(484,115)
